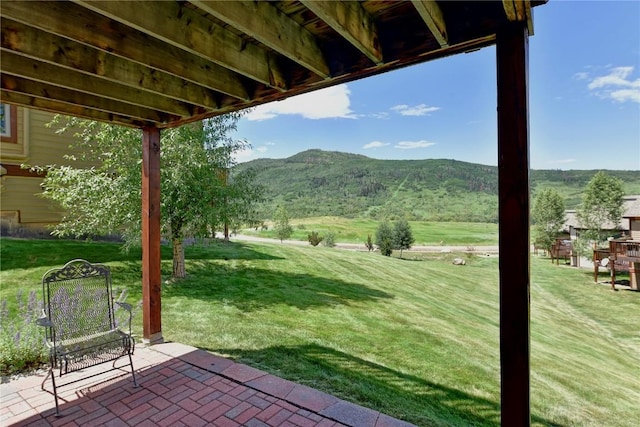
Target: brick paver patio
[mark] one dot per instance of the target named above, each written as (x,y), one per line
(181,386)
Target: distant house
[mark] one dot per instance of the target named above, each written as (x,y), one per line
(631,206)
(632,214)
(25,139)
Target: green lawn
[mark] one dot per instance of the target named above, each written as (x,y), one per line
(356,230)
(415,339)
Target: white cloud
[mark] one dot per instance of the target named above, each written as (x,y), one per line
(332,102)
(382,115)
(617,85)
(410,145)
(623,95)
(375,144)
(417,110)
(581,76)
(251,153)
(617,77)
(244,155)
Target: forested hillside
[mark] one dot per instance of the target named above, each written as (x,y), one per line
(322,183)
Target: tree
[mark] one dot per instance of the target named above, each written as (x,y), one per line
(548,216)
(601,204)
(384,238)
(369,243)
(195,199)
(314,238)
(282,226)
(402,235)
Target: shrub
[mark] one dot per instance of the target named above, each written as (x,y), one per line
(385,238)
(282,226)
(329,239)
(21,340)
(369,243)
(314,238)
(386,246)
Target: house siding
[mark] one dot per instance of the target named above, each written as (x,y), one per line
(634,228)
(36,145)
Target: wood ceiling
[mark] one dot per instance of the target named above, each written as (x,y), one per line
(167,63)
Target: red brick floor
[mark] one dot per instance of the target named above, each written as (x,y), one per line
(180,386)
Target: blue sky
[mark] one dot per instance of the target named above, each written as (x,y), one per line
(584,99)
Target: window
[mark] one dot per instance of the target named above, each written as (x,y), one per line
(8,128)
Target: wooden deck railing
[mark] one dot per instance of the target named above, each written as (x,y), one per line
(621,256)
(561,248)
(623,249)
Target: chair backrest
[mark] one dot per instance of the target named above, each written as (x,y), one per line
(78,300)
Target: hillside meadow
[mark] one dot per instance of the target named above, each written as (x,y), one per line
(415,339)
(330,183)
(355,230)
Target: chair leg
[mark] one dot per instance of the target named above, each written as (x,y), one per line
(53,383)
(55,390)
(45,378)
(133,372)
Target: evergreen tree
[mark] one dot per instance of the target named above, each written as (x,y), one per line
(402,235)
(384,238)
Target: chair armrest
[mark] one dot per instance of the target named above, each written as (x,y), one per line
(44,321)
(129,309)
(125,305)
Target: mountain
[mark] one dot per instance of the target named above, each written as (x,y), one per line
(328,183)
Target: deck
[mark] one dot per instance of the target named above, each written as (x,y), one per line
(622,255)
(182,386)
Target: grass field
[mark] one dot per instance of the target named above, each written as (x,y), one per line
(415,339)
(356,231)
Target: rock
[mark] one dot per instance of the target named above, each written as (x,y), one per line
(459,261)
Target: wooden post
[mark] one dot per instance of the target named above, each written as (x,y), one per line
(513,177)
(151,281)
(613,256)
(634,271)
(595,263)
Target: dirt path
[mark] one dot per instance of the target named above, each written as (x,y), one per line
(361,247)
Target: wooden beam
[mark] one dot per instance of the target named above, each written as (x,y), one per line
(432,16)
(268,25)
(519,11)
(18,170)
(513,195)
(35,89)
(351,21)
(17,65)
(63,52)
(515,10)
(105,34)
(58,107)
(185,29)
(151,279)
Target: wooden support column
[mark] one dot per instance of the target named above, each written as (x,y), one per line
(513,175)
(151,281)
